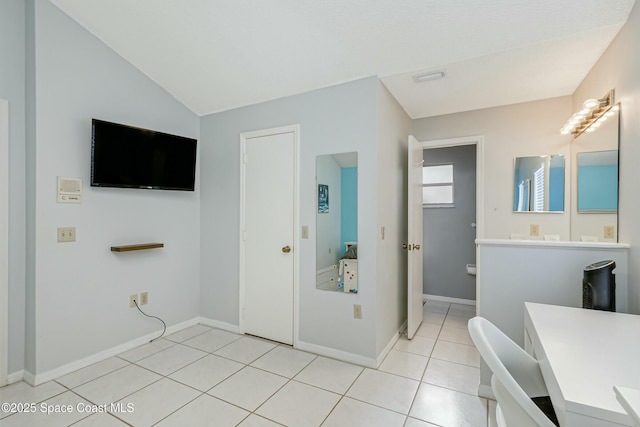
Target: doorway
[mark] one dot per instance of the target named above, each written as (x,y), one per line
(4,240)
(451,228)
(268,242)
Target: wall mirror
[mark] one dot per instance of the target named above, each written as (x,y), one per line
(594,184)
(539,184)
(337,222)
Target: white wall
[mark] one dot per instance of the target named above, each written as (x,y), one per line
(519,130)
(328,224)
(393,129)
(619,68)
(337,119)
(81,290)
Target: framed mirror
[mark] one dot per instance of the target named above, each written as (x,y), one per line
(539,184)
(337,222)
(594,184)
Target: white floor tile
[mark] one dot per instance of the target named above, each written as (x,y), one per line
(205,411)
(458,322)
(206,372)
(418,345)
(248,388)
(453,375)
(254,420)
(433,317)
(55,417)
(298,404)
(172,359)
(154,402)
(436,306)
(428,330)
(457,353)
(212,340)
(100,420)
(463,310)
(92,372)
(460,336)
(22,392)
(446,407)
(284,361)
(383,389)
(245,350)
(413,422)
(117,384)
(404,364)
(353,413)
(187,333)
(145,350)
(329,374)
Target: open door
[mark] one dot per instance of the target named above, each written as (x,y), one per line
(414,237)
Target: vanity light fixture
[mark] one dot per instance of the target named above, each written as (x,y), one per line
(427,77)
(591,116)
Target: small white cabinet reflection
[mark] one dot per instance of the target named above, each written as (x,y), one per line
(539,184)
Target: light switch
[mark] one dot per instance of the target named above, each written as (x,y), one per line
(305,231)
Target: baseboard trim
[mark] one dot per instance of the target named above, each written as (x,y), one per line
(390,344)
(344,356)
(15,377)
(448,299)
(229,327)
(486,391)
(105,354)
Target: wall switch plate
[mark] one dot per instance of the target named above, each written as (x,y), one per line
(132,300)
(305,231)
(66,234)
(357,311)
(144,298)
(609,231)
(534,229)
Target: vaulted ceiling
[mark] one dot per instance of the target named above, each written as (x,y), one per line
(215,55)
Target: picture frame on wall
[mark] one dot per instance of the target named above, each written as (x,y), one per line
(323,198)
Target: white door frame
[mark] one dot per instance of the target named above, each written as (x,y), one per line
(295,129)
(4,241)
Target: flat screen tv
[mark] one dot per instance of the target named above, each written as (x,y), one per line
(131,157)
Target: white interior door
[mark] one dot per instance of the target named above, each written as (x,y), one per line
(4,240)
(268,234)
(414,237)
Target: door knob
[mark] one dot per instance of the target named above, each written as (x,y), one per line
(286,249)
(404,246)
(416,247)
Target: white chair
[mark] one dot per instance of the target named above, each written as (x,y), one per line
(516,377)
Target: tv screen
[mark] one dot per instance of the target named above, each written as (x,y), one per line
(130,157)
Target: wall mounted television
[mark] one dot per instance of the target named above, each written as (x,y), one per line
(130,157)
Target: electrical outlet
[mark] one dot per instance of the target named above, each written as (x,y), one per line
(357,311)
(608,232)
(144,298)
(132,300)
(534,229)
(66,234)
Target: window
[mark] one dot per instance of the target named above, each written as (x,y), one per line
(437,186)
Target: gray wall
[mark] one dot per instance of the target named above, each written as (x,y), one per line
(448,238)
(332,120)
(12,88)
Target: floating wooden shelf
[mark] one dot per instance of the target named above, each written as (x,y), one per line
(138,247)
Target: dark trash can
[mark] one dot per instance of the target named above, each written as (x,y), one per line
(599,286)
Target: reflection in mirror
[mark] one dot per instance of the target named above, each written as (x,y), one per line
(598,181)
(337,222)
(594,202)
(539,184)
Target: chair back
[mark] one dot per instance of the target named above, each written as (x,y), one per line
(516,375)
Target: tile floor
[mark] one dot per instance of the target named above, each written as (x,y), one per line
(202,376)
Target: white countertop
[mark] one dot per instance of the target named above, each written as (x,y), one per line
(583,354)
(552,243)
(629,398)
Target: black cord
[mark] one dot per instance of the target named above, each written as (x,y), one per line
(164,325)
